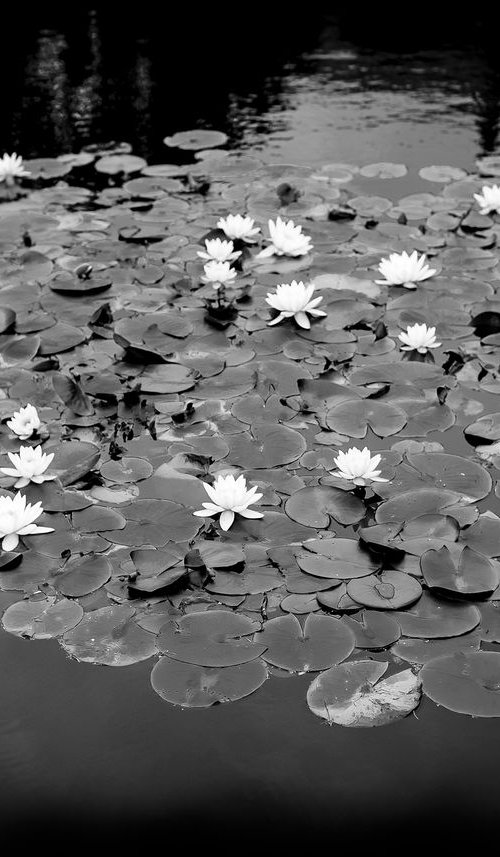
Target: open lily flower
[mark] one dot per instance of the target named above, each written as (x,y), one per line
(219,251)
(418,337)
(401,269)
(488,199)
(358,466)
(230,497)
(25,422)
(294,299)
(16,519)
(286,240)
(11,167)
(29,466)
(218,273)
(236,226)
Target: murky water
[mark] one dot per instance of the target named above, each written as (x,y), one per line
(96,746)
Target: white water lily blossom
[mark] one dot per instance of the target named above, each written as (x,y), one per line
(418,337)
(24,422)
(29,466)
(11,167)
(294,299)
(230,496)
(401,269)
(489,199)
(286,240)
(236,226)
(358,466)
(218,273)
(219,251)
(16,519)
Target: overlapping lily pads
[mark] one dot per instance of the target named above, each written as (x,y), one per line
(149,383)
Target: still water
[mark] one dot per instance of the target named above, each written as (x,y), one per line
(95,746)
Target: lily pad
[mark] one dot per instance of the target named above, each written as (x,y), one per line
(322,642)
(353,695)
(192,686)
(313,507)
(431,618)
(216,638)
(42,619)
(472,576)
(109,636)
(353,418)
(465,682)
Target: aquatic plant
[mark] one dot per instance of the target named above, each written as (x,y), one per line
(219,251)
(418,337)
(218,273)
(25,422)
(402,269)
(30,465)
(286,240)
(17,519)
(237,226)
(230,497)
(358,466)
(11,168)
(294,300)
(489,199)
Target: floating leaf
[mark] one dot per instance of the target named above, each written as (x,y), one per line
(354,418)
(431,618)
(373,630)
(42,619)
(323,641)
(109,636)
(465,682)
(313,507)
(82,576)
(473,575)
(192,686)
(353,695)
(216,638)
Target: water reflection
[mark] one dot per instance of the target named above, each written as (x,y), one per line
(333,85)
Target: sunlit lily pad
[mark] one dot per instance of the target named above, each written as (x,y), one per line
(353,695)
(473,575)
(196,140)
(389,590)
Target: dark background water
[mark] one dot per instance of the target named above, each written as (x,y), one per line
(327,82)
(87,749)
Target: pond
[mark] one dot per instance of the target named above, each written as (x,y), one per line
(350,591)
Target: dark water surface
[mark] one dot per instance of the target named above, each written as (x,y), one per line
(95,745)
(354,85)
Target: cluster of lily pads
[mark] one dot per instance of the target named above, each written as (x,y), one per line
(157,421)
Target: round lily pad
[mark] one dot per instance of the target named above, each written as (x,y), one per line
(389,590)
(342,559)
(216,638)
(126,470)
(373,630)
(110,636)
(473,575)
(432,618)
(196,140)
(322,642)
(42,619)
(192,686)
(314,506)
(422,651)
(82,576)
(353,418)
(353,695)
(465,682)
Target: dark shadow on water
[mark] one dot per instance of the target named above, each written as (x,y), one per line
(87,72)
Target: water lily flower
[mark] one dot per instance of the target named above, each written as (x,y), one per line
(358,466)
(230,496)
(401,269)
(286,240)
(488,199)
(418,337)
(16,519)
(29,466)
(219,251)
(25,422)
(11,167)
(218,273)
(236,226)
(294,299)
